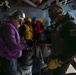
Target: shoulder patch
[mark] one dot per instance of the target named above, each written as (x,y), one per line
(73,32)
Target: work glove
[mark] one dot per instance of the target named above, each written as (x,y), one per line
(53,64)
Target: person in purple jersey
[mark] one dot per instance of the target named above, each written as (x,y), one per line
(10,44)
(63,40)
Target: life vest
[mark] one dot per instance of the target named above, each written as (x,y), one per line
(58,43)
(28,34)
(37,28)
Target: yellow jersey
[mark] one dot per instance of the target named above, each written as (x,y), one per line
(28,34)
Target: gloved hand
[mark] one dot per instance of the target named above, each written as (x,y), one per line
(53,64)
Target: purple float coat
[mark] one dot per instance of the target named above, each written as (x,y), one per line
(10,46)
(63,40)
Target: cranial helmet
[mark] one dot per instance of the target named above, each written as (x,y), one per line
(40,20)
(28,19)
(17,14)
(35,19)
(55,11)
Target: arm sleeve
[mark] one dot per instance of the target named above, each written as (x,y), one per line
(11,40)
(69,34)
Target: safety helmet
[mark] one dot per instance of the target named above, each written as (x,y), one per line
(28,19)
(40,20)
(17,14)
(54,11)
(35,19)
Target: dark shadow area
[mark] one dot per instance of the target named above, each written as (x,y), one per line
(71,74)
